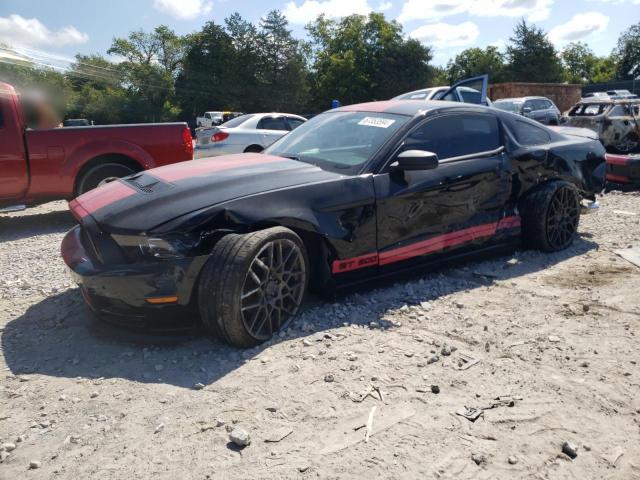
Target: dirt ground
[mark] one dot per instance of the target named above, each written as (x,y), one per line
(544,346)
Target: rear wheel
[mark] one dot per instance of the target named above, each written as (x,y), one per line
(629,144)
(550,216)
(253,149)
(253,285)
(100,174)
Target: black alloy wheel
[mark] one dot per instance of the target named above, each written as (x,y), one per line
(562,218)
(273,288)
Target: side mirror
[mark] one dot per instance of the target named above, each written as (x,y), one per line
(527,109)
(411,160)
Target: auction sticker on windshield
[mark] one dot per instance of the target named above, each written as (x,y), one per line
(376,122)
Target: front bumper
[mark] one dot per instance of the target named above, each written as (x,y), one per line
(125,290)
(216,149)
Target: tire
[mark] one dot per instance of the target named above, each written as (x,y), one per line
(253,149)
(627,145)
(100,174)
(550,216)
(239,267)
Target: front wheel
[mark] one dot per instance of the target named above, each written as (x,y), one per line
(550,216)
(253,285)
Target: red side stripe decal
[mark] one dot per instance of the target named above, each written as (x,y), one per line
(182,170)
(99,197)
(617,178)
(426,246)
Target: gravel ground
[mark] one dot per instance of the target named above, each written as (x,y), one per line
(544,347)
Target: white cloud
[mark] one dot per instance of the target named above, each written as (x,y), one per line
(446,35)
(580,26)
(533,10)
(310,9)
(17,30)
(184,9)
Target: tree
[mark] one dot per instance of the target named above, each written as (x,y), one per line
(476,61)
(532,57)
(281,71)
(362,58)
(627,53)
(579,62)
(151,61)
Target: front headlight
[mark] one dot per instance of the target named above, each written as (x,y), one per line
(170,246)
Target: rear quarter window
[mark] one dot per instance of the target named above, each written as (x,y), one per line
(529,135)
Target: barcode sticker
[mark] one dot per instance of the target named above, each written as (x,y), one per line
(376,122)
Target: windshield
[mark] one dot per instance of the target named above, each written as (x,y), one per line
(236,122)
(339,141)
(508,106)
(418,95)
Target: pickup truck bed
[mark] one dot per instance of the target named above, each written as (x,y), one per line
(59,163)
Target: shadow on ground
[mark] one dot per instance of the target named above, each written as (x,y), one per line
(33,224)
(59,336)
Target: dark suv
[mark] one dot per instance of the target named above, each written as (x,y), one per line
(540,109)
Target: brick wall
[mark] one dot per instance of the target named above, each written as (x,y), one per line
(563,95)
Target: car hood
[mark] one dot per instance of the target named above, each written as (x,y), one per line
(143,201)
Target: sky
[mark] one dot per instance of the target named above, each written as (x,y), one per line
(62,28)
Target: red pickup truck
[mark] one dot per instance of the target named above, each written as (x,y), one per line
(38,165)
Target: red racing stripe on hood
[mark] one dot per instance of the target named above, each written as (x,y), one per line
(204,166)
(97,198)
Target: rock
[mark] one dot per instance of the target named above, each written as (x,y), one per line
(220,422)
(569,450)
(554,338)
(478,458)
(93,394)
(272,409)
(435,389)
(328,378)
(306,342)
(198,386)
(512,460)
(3,455)
(62,398)
(8,447)
(303,468)
(33,464)
(159,428)
(433,359)
(446,350)
(585,308)
(487,347)
(240,437)
(584,364)
(374,325)
(352,357)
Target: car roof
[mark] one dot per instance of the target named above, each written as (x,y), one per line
(522,99)
(408,107)
(607,100)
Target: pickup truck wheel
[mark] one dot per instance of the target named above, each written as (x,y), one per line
(101,174)
(253,285)
(550,216)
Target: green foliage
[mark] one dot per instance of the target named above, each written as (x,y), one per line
(362,58)
(241,66)
(476,61)
(627,53)
(532,57)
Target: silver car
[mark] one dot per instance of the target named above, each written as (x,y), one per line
(247,133)
(540,109)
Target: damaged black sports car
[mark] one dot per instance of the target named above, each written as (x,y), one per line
(356,193)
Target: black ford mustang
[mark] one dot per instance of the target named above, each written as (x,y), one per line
(356,193)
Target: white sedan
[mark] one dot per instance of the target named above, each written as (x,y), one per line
(247,133)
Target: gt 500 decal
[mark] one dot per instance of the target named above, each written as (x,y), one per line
(424,247)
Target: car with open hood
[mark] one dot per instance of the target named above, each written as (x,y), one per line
(356,193)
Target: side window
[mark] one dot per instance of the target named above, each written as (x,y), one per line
(207,115)
(272,123)
(530,135)
(294,122)
(455,135)
(529,105)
